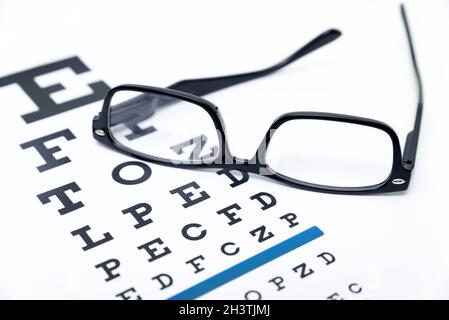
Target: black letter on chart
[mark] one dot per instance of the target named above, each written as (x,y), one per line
(290,218)
(231,215)
(261,231)
(48,153)
(188,197)
(278,281)
(189,236)
(334,296)
(261,198)
(139,211)
(229,253)
(152,250)
(165,280)
(253,295)
(125,295)
(327,257)
(109,266)
(302,270)
(196,265)
(355,288)
(235,180)
(90,244)
(42,96)
(146,173)
(60,193)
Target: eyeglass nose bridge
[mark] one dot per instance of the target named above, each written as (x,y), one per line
(253,165)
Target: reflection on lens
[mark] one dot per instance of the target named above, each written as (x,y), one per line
(331,153)
(164,127)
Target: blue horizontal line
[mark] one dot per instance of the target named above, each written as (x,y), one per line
(249,264)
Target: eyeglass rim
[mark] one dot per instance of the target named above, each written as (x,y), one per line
(257,165)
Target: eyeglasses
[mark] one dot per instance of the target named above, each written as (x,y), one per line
(316,151)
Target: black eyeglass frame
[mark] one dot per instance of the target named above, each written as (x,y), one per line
(402,165)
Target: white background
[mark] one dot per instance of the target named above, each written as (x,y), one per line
(396,245)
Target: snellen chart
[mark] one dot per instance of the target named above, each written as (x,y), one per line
(193,277)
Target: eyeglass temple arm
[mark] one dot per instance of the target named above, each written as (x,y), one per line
(411,143)
(134,110)
(208,85)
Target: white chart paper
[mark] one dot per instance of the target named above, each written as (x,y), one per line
(257,239)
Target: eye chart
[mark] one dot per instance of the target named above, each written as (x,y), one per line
(80,220)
